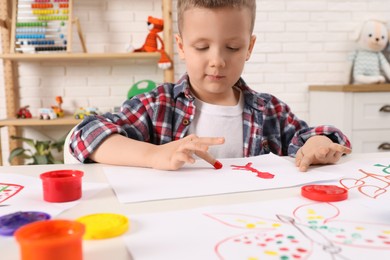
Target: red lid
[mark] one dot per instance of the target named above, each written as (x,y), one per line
(324,193)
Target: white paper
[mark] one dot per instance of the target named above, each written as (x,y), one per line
(365,179)
(141,184)
(294,228)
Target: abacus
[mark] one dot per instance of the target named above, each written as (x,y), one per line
(41,26)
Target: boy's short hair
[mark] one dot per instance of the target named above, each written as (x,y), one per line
(184,5)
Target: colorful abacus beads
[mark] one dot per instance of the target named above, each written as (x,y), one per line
(30,36)
(32,24)
(41,6)
(36,30)
(45,11)
(39,20)
(38,36)
(44,42)
(51,48)
(59,17)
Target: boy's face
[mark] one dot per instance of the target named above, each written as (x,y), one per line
(215,43)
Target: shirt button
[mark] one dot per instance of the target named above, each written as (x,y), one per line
(186,122)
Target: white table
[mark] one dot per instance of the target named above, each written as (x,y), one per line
(105,201)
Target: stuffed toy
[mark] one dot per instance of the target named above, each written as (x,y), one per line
(369,65)
(152,41)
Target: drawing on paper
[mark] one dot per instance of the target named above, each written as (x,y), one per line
(8,190)
(370,185)
(386,169)
(312,228)
(248,167)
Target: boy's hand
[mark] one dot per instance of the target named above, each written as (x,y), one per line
(174,155)
(319,150)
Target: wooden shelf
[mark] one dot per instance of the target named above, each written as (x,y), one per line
(79,56)
(352,88)
(67,120)
(8,15)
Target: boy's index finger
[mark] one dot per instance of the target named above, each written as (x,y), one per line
(211,140)
(210,159)
(342,149)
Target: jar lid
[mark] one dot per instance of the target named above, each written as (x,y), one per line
(325,193)
(104,225)
(11,222)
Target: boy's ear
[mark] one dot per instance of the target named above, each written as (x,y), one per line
(179,43)
(251,45)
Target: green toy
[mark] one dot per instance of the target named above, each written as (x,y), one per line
(140,87)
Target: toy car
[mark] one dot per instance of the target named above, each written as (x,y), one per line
(24,112)
(46,113)
(83,112)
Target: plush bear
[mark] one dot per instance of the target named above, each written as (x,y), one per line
(369,65)
(152,41)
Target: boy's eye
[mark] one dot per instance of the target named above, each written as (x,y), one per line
(201,48)
(370,35)
(233,48)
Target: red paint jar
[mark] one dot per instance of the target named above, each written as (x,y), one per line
(62,185)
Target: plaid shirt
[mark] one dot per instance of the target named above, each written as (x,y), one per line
(165,114)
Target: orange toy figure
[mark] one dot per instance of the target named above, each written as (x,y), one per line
(155,26)
(57,109)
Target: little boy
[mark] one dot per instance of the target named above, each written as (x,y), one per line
(210,112)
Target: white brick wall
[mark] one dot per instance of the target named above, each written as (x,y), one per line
(299,43)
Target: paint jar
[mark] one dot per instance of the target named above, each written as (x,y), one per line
(62,185)
(51,239)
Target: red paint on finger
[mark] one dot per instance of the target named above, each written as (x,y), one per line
(217,165)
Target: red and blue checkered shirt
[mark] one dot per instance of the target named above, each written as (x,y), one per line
(165,114)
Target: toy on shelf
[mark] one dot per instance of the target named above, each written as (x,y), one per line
(57,109)
(140,87)
(80,113)
(368,64)
(24,112)
(46,113)
(42,26)
(152,41)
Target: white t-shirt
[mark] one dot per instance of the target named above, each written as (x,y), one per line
(220,121)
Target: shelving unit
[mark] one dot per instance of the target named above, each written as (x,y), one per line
(363,113)
(10,59)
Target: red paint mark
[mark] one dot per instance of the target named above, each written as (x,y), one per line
(248,167)
(269,239)
(279,235)
(294,241)
(301,250)
(382,237)
(262,244)
(387,242)
(283,249)
(296,256)
(369,240)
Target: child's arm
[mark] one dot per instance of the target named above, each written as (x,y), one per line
(120,150)
(319,150)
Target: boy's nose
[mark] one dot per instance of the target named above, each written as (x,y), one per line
(217,60)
